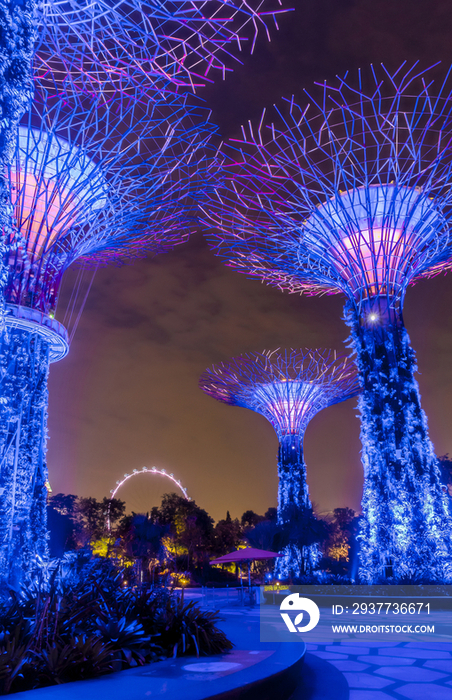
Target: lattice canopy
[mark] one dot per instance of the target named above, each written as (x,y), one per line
(288,388)
(347,192)
(101,181)
(184,41)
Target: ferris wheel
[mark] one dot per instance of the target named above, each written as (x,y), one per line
(145,470)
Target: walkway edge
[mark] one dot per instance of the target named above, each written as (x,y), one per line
(275,677)
(250,684)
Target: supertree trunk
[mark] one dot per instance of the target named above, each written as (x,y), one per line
(23,399)
(406,533)
(294,510)
(17,39)
(24,364)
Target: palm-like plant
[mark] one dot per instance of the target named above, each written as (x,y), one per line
(58,633)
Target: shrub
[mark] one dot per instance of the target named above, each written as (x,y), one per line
(80,621)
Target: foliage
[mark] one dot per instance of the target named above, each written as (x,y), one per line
(82,520)
(250,519)
(103,546)
(143,542)
(227,535)
(445,468)
(174,543)
(190,630)
(264,535)
(271,514)
(24,367)
(340,546)
(81,622)
(190,527)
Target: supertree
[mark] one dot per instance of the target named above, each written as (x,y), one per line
(350,193)
(288,388)
(110,47)
(92,181)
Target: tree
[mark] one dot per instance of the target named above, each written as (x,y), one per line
(65,504)
(227,535)
(341,546)
(250,519)
(114,509)
(191,527)
(445,467)
(92,518)
(83,521)
(61,532)
(141,541)
(299,533)
(62,522)
(263,535)
(271,514)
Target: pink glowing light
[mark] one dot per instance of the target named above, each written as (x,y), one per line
(42,210)
(53,186)
(373,255)
(288,388)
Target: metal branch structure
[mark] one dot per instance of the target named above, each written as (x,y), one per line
(113,47)
(95,182)
(351,193)
(288,388)
(184,41)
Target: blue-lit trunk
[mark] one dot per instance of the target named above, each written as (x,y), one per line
(294,511)
(406,531)
(24,366)
(23,359)
(17,39)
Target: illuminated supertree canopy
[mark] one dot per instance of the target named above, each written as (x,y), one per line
(185,41)
(101,182)
(95,182)
(288,388)
(114,47)
(350,192)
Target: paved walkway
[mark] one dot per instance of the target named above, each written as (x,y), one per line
(373,670)
(384,671)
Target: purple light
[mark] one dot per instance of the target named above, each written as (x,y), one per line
(288,388)
(182,41)
(101,182)
(351,193)
(375,238)
(348,193)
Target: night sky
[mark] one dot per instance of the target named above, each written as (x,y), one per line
(127,395)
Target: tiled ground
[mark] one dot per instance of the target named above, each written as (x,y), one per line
(378,670)
(413,670)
